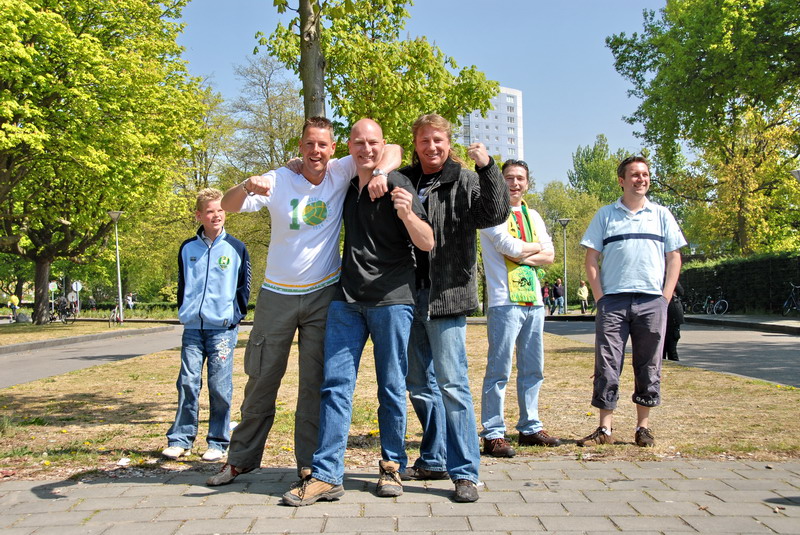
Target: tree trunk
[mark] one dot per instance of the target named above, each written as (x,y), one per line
(41,283)
(312,62)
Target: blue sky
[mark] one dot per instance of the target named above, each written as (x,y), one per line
(553,51)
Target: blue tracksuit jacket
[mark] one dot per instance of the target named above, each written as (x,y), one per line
(213,282)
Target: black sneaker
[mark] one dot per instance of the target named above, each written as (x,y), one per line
(414,473)
(466,491)
(645,438)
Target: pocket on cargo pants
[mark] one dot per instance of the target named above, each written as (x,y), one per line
(253,356)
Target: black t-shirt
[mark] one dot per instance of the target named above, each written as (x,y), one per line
(423,258)
(378,256)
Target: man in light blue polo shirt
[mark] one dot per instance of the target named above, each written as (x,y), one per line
(639,244)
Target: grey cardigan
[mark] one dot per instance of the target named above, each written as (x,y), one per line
(462,202)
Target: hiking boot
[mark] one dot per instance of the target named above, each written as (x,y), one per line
(389,483)
(226,475)
(645,438)
(595,439)
(466,491)
(414,473)
(304,473)
(211,455)
(539,438)
(311,490)
(498,447)
(175,452)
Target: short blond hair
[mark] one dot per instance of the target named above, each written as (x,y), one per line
(204,196)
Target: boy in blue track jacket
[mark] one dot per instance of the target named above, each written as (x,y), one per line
(213,290)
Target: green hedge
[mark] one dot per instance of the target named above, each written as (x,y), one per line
(751,285)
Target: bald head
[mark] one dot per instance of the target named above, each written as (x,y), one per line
(366,145)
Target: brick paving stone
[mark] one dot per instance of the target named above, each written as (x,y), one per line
(643,484)
(516,485)
(531,509)
(7,520)
(238,498)
(501,497)
(745,495)
(352,525)
(617,495)
(74,530)
(42,506)
(415,523)
(721,524)
(492,475)
(154,490)
(604,465)
(599,509)
(759,484)
(676,464)
(577,523)
(696,496)
(151,528)
(650,473)
(599,474)
(555,465)
(398,509)
(18,531)
(776,473)
(6,486)
(258,511)
(683,508)
(178,501)
(739,509)
(96,504)
(100,491)
(536,496)
(329,509)
(288,525)
(224,525)
(534,474)
(780,524)
(197,512)
(73,518)
(506,523)
(697,484)
(465,509)
(113,516)
(425,496)
(723,465)
(708,473)
(639,524)
(574,484)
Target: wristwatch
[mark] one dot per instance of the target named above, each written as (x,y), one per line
(377,171)
(244,187)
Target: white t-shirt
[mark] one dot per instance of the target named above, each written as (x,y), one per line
(496,243)
(303,252)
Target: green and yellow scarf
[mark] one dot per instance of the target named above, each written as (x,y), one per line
(523,280)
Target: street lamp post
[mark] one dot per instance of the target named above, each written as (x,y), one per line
(564,222)
(114,215)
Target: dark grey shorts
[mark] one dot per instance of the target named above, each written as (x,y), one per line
(643,319)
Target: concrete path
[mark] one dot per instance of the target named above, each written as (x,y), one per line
(730,344)
(563,496)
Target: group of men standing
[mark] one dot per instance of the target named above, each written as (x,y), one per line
(408,280)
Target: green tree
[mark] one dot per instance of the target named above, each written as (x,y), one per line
(594,170)
(94,98)
(723,79)
(374,73)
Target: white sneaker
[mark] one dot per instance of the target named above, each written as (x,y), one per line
(175,452)
(212,455)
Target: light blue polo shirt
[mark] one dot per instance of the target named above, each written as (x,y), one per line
(633,246)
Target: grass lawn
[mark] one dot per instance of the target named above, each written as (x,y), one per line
(87,421)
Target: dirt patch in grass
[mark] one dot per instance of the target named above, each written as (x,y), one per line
(17,333)
(99,419)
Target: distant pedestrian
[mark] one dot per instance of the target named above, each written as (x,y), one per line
(91,303)
(213,290)
(129,300)
(558,298)
(546,296)
(640,247)
(13,304)
(583,296)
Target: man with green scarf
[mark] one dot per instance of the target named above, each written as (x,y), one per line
(512,254)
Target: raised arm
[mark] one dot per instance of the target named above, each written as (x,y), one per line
(234,198)
(490,199)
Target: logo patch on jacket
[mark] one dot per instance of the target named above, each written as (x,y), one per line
(223,262)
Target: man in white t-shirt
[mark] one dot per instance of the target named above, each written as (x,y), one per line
(515,318)
(303,265)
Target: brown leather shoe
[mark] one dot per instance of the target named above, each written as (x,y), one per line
(539,438)
(644,438)
(415,473)
(597,438)
(498,447)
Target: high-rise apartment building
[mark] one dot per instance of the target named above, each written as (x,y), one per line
(501,129)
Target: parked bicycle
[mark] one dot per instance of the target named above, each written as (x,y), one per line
(115,318)
(793,301)
(64,314)
(710,305)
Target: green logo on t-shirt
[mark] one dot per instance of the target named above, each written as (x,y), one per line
(315,213)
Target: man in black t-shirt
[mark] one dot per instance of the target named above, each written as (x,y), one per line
(375,297)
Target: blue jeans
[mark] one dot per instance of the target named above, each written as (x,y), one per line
(216,348)
(558,305)
(438,386)
(509,326)
(349,325)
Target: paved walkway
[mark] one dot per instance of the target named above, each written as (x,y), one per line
(564,496)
